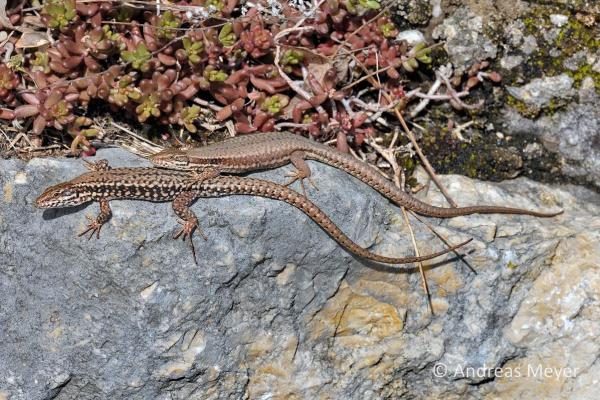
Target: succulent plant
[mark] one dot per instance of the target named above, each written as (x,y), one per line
(8,82)
(369,4)
(81,136)
(124,91)
(388,29)
(226,35)
(139,57)
(275,104)
(187,116)
(214,4)
(40,62)
(191,51)
(257,41)
(417,54)
(291,58)
(51,107)
(167,25)
(361,7)
(214,75)
(101,42)
(149,107)
(59,14)
(156,66)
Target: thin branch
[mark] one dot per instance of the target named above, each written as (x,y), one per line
(424,159)
(421,271)
(455,96)
(413,140)
(460,256)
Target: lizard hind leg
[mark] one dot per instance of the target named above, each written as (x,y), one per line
(181,206)
(96,223)
(302,171)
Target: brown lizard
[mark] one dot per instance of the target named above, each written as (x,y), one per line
(252,152)
(103,184)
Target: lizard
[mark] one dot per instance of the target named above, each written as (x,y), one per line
(241,154)
(103,184)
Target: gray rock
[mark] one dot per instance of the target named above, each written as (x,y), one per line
(529,44)
(466,42)
(510,61)
(573,133)
(540,91)
(577,60)
(277,310)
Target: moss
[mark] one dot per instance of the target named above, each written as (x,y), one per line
(512,265)
(486,156)
(575,36)
(585,71)
(526,110)
(550,57)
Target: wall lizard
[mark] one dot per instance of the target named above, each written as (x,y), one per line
(252,152)
(103,184)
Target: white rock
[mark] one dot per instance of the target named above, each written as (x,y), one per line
(559,19)
(411,36)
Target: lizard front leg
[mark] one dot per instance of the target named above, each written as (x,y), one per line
(302,171)
(204,174)
(101,219)
(181,206)
(100,165)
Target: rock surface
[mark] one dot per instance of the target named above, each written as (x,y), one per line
(541,92)
(574,133)
(277,310)
(465,40)
(548,55)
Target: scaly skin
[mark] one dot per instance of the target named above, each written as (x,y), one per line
(182,188)
(270,150)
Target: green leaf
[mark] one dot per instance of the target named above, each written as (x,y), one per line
(226,36)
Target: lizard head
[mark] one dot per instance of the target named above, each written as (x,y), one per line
(61,195)
(171,158)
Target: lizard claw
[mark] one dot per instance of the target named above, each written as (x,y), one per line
(100,165)
(295,177)
(93,227)
(187,231)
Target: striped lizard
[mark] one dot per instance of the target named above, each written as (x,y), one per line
(103,184)
(252,152)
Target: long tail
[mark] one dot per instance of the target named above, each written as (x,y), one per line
(373,178)
(236,185)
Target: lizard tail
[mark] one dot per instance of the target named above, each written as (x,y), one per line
(373,178)
(235,185)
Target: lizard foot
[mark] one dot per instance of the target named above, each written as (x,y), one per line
(187,231)
(295,175)
(94,227)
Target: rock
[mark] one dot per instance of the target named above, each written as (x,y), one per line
(529,44)
(466,42)
(411,36)
(573,133)
(545,52)
(277,310)
(540,92)
(559,19)
(509,62)
(415,12)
